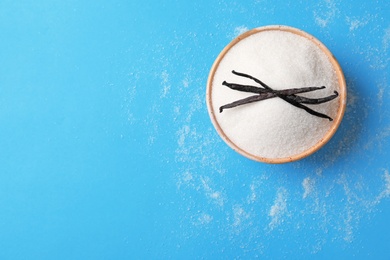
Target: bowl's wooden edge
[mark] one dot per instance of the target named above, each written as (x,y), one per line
(336,121)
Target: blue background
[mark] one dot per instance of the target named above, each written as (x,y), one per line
(107,150)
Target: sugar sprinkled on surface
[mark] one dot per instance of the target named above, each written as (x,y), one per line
(327,13)
(203,219)
(273,128)
(239,215)
(308,186)
(213,195)
(240,30)
(380,95)
(386,39)
(165,84)
(278,209)
(356,23)
(386,192)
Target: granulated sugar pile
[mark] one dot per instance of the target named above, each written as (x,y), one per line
(273,128)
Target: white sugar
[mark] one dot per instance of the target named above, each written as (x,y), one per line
(273,128)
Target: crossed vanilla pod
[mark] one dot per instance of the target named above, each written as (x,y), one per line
(288,95)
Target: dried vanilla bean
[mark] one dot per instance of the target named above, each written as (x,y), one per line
(267,95)
(315,101)
(253,89)
(288,95)
(247,100)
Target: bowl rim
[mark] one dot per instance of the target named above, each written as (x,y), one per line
(336,121)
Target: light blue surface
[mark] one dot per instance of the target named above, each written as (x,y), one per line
(107,150)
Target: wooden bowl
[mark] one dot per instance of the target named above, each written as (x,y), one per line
(341,99)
